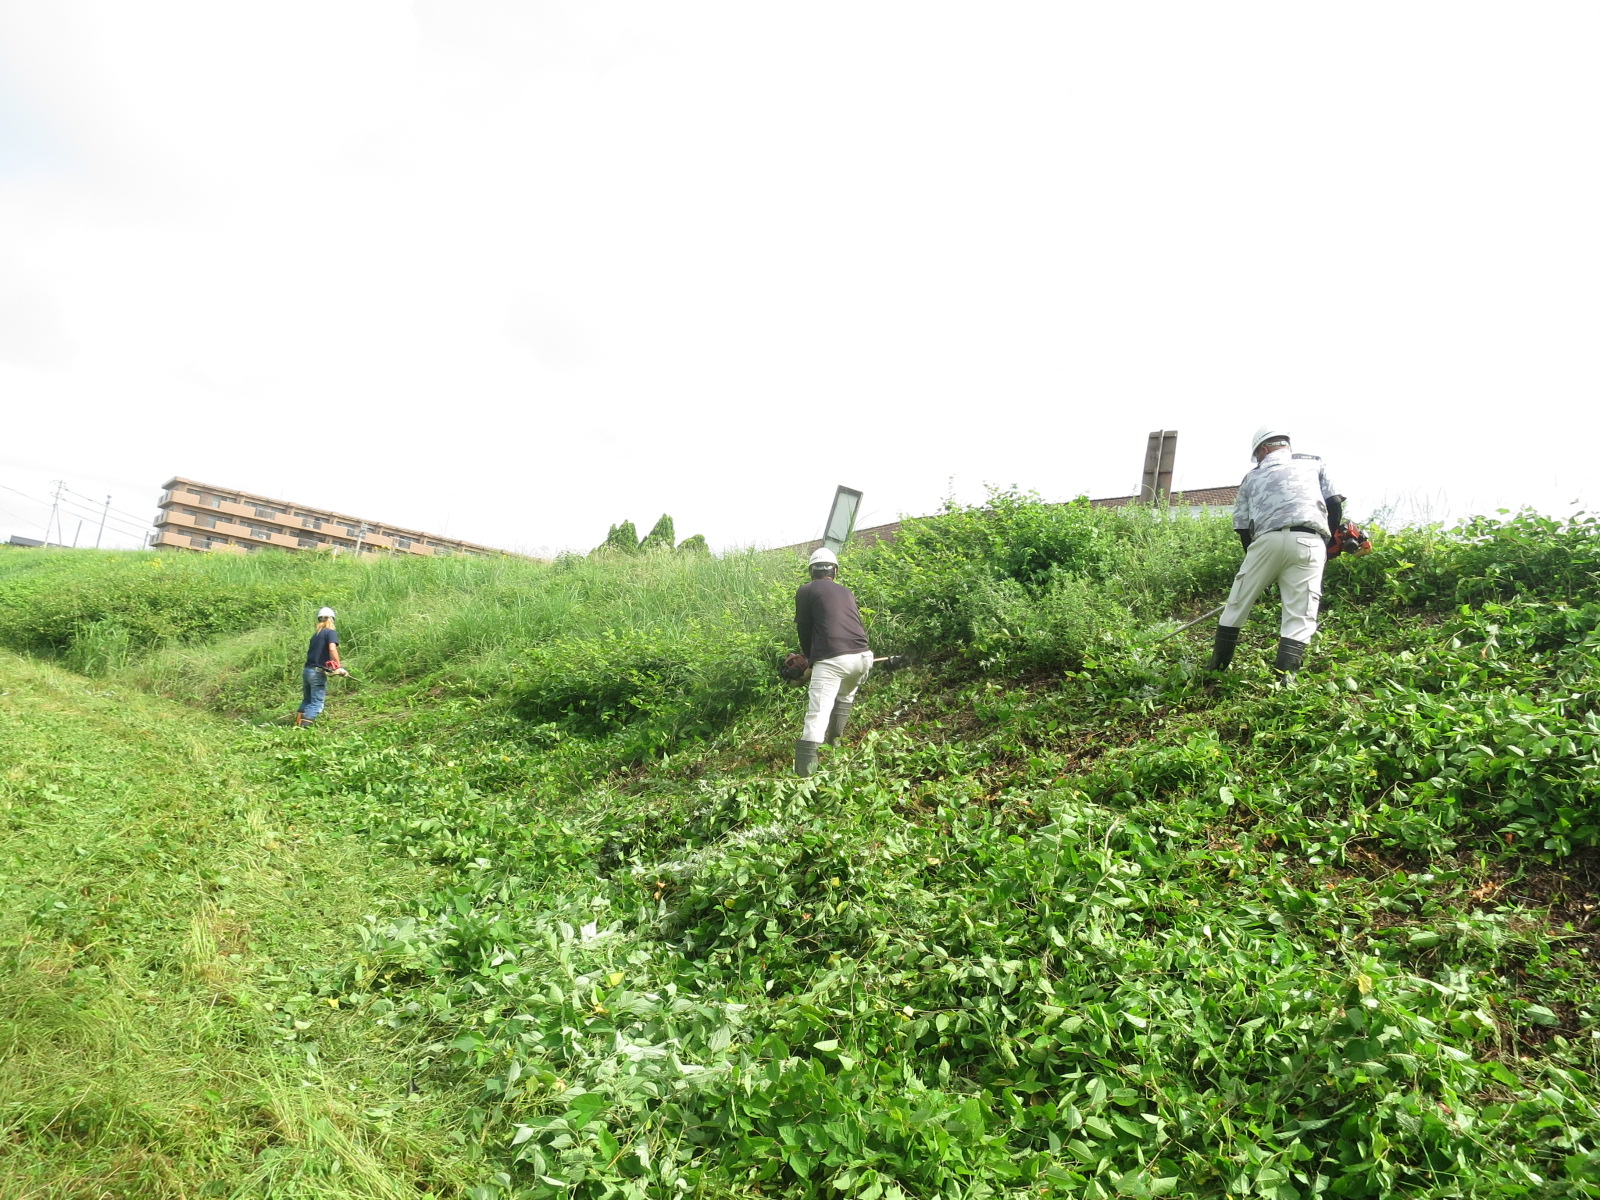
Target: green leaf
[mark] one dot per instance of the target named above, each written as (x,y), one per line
(583,1109)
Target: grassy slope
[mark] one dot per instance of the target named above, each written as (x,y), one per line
(1065,920)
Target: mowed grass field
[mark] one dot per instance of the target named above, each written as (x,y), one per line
(157,917)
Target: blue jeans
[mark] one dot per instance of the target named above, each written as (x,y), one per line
(314,693)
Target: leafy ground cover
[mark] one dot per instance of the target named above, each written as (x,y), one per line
(1068,918)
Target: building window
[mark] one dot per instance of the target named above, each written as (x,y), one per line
(264,534)
(204,543)
(311,522)
(401,543)
(205,522)
(309,543)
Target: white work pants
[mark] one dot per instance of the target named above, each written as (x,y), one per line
(1294,561)
(832,679)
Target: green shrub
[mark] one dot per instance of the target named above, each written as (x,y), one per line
(1055,626)
(686,679)
(134,602)
(1479,560)
(1019,584)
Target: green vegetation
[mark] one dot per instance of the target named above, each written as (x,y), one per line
(625,539)
(1067,919)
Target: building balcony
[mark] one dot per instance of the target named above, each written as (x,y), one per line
(184,540)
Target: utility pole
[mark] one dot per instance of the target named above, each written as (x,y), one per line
(55,515)
(103,515)
(75,534)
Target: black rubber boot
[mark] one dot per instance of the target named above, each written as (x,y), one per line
(837,720)
(1290,655)
(805,758)
(1222,648)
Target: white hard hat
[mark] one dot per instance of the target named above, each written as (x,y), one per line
(326,612)
(822,557)
(1265,434)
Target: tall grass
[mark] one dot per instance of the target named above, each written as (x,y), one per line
(230,632)
(1011,585)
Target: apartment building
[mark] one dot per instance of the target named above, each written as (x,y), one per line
(201,516)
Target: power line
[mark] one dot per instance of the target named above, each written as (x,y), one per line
(24,495)
(120,526)
(69,508)
(31,524)
(77,510)
(97,505)
(123,524)
(138,531)
(124,512)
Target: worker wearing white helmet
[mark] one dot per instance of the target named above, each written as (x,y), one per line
(1285,514)
(322,660)
(832,637)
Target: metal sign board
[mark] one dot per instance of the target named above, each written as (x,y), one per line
(841,518)
(1156,483)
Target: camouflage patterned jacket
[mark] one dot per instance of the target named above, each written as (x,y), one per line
(1284,489)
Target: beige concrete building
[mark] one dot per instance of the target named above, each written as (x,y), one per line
(200,516)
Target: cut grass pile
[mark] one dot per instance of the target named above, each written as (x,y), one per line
(157,920)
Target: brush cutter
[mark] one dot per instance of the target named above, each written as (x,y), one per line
(1188,624)
(1349,539)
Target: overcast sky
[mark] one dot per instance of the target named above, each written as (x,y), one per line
(514,271)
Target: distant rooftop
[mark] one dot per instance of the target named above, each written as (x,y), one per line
(1216,497)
